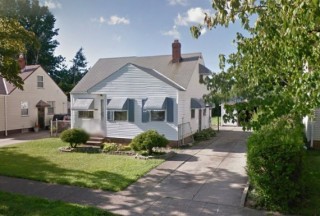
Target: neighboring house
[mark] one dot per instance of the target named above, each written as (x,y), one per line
(312,129)
(40,98)
(122,97)
(223,111)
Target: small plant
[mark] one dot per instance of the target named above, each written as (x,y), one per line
(74,137)
(147,140)
(109,147)
(205,134)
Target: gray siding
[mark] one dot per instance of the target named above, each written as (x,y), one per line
(134,83)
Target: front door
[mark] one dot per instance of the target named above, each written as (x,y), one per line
(41,117)
(200,119)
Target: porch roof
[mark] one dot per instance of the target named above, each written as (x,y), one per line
(42,104)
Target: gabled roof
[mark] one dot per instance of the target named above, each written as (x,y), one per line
(7,88)
(179,73)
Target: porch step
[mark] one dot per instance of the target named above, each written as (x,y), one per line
(95,141)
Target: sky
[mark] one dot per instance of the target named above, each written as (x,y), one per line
(117,28)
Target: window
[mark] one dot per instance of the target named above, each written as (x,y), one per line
(24,108)
(85,114)
(204,112)
(121,115)
(40,81)
(51,107)
(158,115)
(193,113)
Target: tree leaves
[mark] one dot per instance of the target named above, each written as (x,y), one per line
(268,68)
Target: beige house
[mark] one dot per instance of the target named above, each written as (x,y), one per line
(40,99)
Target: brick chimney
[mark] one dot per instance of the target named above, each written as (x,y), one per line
(21,62)
(176,51)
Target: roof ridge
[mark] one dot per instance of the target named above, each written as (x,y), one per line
(150,56)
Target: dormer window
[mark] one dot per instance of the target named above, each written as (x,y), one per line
(40,82)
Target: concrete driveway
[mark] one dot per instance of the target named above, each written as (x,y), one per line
(23,137)
(208,179)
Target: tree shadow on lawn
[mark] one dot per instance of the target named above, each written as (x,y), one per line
(37,168)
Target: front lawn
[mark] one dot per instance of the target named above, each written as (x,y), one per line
(40,160)
(12,205)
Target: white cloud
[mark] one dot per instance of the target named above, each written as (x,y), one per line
(115,20)
(192,16)
(178,2)
(52,4)
(100,20)
(173,32)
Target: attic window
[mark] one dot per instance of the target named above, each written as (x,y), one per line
(40,82)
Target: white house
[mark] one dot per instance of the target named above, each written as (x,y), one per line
(39,100)
(122,97)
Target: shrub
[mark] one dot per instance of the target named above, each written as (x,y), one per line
(205,134)
(74,136)
(147,140)
(108,147)
(275,164)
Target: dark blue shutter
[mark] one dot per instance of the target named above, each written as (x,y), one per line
(130,110)
(170,110)
(109,117)
(145,113)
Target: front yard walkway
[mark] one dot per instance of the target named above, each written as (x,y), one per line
(206,180)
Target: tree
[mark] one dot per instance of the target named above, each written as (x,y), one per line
(13,41)
(275,68)
(66,78)
(39,20)
(79,66)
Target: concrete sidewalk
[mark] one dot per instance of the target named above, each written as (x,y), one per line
(206,180)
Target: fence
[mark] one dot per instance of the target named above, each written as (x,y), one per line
(58,126)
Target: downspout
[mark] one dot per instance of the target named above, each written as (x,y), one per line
(5,116)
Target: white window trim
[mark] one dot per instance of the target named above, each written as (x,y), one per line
(53,107)
(85,111)
(113,120)
(40,82)
(165,115)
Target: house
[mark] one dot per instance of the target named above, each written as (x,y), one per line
(40,98)
(312,128)
(121,97)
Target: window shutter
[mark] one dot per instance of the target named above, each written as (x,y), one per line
(170,110)
(109,116)
(145,113)
(130,110)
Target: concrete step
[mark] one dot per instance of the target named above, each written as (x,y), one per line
(95,141)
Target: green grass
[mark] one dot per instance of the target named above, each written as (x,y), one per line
(12,205)
(214,121)
(40,160)
(311,203)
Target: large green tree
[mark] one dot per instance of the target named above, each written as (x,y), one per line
(39,20)
(67,78)
(276,68)
(13,41)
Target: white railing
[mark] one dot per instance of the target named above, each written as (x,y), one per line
(58,126)
(184,131)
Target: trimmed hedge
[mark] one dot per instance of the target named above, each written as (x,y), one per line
(74,137)
(275,164)
(147,140)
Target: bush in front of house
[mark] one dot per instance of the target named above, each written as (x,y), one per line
(147,140)
(109,147)
(205,134)
(275,164)
(74,137)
